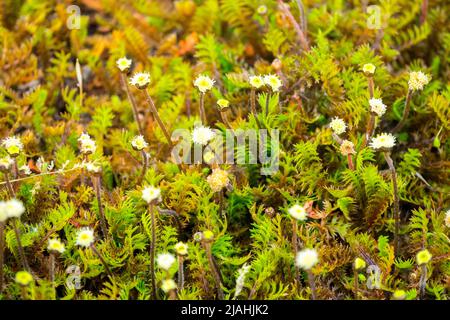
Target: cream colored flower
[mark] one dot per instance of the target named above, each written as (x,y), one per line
(181,248)
(56,245)
(87,145)
(218,179)
(138,143)
(377,106)
(204,83)
(273,81)
(417,80)
(447,218)
(92,167)
(423,257)
(202,135)
(369,69)
(150,194)
(23,278)
(256,81)
(338,125)
(85,237)
(223,103)
(383,141)
(13,146)
(124,64)
(6,163)
(13,208)
(141,80)
(168,285)
(298,212)
(165,260)
(262,9)
(307,258)
(399,295)
(240,281)
(347,147)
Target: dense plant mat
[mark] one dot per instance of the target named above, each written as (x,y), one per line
(95,204)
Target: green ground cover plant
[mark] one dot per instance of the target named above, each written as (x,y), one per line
(95,204)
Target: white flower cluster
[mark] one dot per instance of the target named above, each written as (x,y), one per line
(150,194)
(13,146)
(138,143)
(270,80)
(165,260)
(306,259)
(338,126)
(298,212)
(124,64)
(12,208)
(85,237)
(140,80)
(383,141)
(202,135)
(204,83)
(417,80)
(377,106)
(87,144)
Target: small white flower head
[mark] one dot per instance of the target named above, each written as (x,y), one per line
(124,64)
(417,80)
(377,106)
(168,285)
(223,103)
(25,169)
(6,163)
(141,80)
(87,144)
(13,208)
(369,69)
(298,212)
(13,146)
(256,81)
(85,237)
(138,143)
(273,81)
(92,167)
(202,135)
(338,125)
(181,248)
(347,147)
(383,141)
(204,83)
(447,218)
(262,10)
(150,194)
(306,259)
(165,260)
(56,245)
(218,180)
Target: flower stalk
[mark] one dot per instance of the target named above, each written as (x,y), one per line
(157,118)
(312,284)
(152,250)
(253,106)
(207,240)
(133,103)
(180,272)
(144,166)
(97,253)
(202,108)
(97,182)
(2,253)
(396,201)
(295,243)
